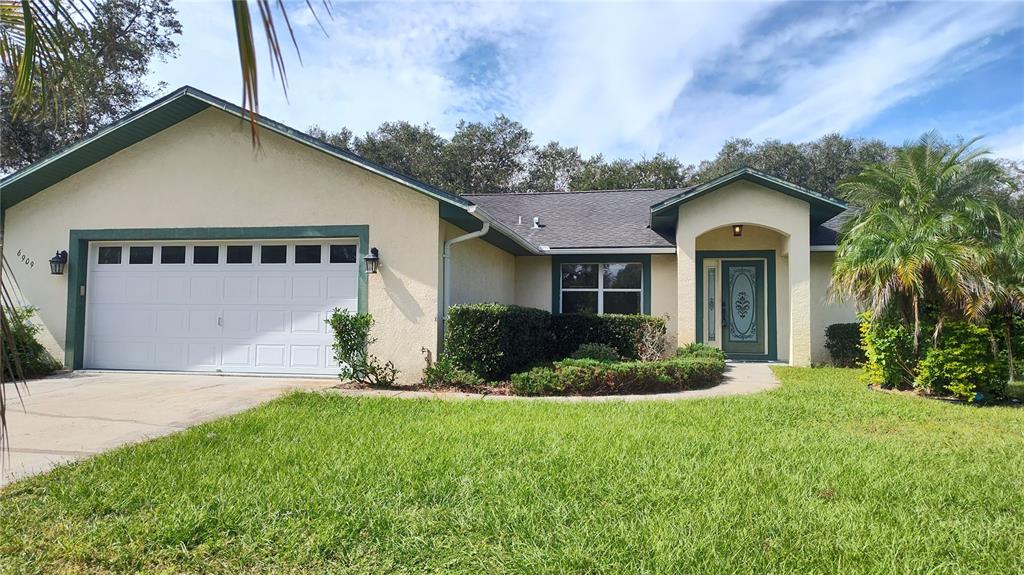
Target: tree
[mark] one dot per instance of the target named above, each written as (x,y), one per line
(488,158)
(406,148)
(340,139)
(659,172)
(552,168)
(107,82)
(925,236)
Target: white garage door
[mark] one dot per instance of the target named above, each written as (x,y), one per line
(244,307)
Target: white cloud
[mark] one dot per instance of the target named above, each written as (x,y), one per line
(615,78)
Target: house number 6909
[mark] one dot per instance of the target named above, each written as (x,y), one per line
(31,263)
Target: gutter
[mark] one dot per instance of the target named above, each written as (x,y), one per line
(446,272)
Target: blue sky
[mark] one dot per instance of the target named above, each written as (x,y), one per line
(635,79)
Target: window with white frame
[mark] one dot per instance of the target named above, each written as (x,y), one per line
(602,288)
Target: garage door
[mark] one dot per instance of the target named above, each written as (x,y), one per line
(242,307)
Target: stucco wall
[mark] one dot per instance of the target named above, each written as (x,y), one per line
(750,204)
(533,282)
(481,272)
(663,292)
(823,312)
(204,172)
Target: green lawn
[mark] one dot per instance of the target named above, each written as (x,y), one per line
(820,476)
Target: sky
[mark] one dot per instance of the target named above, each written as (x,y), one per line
(630,79)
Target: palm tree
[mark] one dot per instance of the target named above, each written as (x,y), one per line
(39,44)
(1008,283)
(925,234)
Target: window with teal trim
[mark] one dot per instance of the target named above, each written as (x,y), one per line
(602,288)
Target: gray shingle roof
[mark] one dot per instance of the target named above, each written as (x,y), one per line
(597,219)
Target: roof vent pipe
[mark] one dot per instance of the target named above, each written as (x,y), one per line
(536,223)
(520,220)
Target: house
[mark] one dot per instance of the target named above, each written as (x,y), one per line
(190,250)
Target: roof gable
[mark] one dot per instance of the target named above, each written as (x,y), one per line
(664,214)
(159,115)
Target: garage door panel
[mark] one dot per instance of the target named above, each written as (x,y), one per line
(139,288)
(273,290)
(205,289)
(171,289)
(240,289)
(204,323)
(305,356)
(236,355)
(186,316)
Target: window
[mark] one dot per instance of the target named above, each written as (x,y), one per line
(140,255)
(273,254)
(307,254)
(239,254)
(343,254)
(711,304)
(110,255)
(206,254)
(172,254)
(602,288)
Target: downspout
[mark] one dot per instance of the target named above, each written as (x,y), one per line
(446,271)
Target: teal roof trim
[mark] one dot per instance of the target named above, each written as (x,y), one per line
(823,207)
(162,114)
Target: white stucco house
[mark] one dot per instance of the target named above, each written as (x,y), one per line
(189,250)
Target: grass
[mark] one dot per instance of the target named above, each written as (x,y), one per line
(819,476)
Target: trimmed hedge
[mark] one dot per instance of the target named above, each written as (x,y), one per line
(962,365)
(495,340)
(596,351)
(623,332)
(696,349)
(843,343)
(592,377)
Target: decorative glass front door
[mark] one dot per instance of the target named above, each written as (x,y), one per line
(743,314)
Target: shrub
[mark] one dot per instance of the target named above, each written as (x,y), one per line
(696,349)
(27,352)
(352,340)
(444,373)
(843,343)
(889,351)
(962,364)
(494,340)
(592,377)
(597,351)
(625,333)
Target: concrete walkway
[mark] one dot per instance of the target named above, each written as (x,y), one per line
(740,379)
(77,415)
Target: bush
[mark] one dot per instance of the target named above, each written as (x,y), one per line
(889,352)
(962,364)
(592,377)
(696,349)
(597,351)
(626,333)
(444,373)
(843,343)
(494,340)
(351,349)
(27,352)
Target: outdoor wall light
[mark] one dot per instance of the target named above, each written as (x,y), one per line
(58,262)
(372,261)
(737,230)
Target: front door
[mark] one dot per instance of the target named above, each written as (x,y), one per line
(743,314)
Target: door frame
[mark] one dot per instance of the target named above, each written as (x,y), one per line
(78,263)
(771,318)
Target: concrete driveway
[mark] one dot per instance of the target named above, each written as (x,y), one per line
(77,415)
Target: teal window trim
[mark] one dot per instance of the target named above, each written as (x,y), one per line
(773,332)
(556,274)
(78,262)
